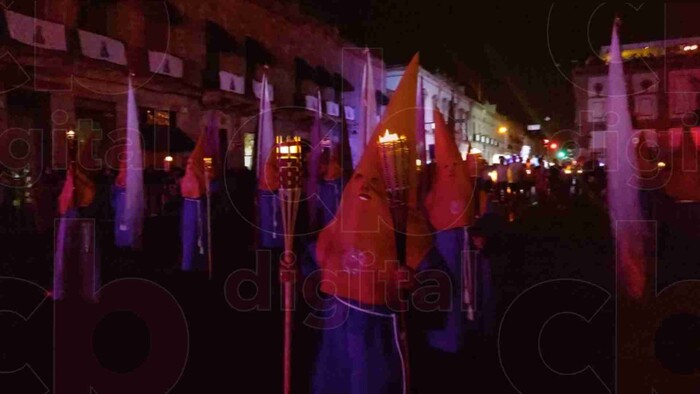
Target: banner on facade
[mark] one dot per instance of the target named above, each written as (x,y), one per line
(163,63)
(36,32)
(231,82)
(332,108)
(100,47)
(349,113)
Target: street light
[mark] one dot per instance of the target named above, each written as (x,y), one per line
(503,130)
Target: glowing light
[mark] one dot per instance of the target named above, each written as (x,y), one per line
(70,134)
(579,172)
(208,162)
(567,171)
(602,164)
(688,48)
(661,164)
(388,137)
(502,129)
(546,141)
(169,159)
(554,145)
(419,163)
(528,172)
(493,175)
(534,127)
(474,151)
(561,154)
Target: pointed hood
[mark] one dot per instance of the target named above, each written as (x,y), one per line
(131,177)
(451,192)
(684,183)
(357,251)
(622,192)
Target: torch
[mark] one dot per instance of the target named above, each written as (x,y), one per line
(394,157)
(289,164)
(208,166)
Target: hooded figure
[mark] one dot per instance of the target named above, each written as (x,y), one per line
(76,274)
(449,204)
(360,273)
(127,192)
(194,224)
(270,210)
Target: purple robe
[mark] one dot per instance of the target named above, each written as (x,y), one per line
(270,214)
(452,334)
(123,238)
(358,350)
(193,232)
(76,272)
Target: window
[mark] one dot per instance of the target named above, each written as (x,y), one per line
(157,128)
(161,18)
(248,144)
(95,16)
(33,8)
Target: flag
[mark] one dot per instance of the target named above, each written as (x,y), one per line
(623,194)
(266,134)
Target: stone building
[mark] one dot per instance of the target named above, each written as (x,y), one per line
(663,83)
(474,122)
(66,63)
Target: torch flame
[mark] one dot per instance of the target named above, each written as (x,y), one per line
(387,137)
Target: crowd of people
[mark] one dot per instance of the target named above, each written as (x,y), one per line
(515,184)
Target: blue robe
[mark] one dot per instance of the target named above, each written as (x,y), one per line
(194,232)
(122,237)
(329,193)
(270,216)
(358,350)
(451,336)
(76,268)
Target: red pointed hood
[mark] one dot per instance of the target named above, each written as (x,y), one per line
(357,251)
(451,193)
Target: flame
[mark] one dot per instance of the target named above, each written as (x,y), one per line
(387,137)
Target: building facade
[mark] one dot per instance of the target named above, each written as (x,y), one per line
(663,83)
(475,123)
(67,62)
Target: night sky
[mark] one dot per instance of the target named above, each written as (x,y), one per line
(523,53)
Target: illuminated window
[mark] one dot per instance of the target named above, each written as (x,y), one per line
(248,144)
